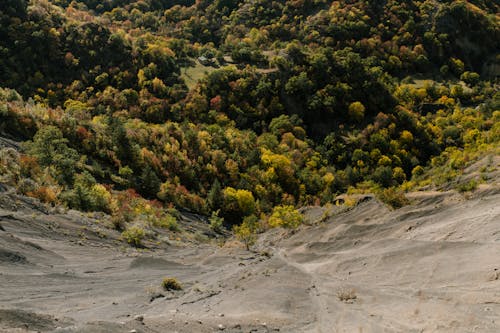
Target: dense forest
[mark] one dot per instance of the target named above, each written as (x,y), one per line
(297,101)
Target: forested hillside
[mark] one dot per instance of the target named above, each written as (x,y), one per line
(298,101)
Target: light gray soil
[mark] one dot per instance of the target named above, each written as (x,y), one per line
(433,266)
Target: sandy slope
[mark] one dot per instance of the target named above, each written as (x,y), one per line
(433,266)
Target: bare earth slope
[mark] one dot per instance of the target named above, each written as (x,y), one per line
(433,266)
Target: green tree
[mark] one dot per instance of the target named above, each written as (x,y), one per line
(51,150)
(149,183)
(215,196)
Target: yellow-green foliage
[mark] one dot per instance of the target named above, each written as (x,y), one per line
(134,236)
(167,221)
(285,216)
(102,198)
(119,110)
(393,197)
(216,222)
(170,284)
(247,231)
(357,111)
(350,201)
(469,186)
(417,171)
(241,201)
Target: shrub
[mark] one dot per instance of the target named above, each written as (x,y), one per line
(245,234)
(393,197)
(417,171)
(168,221)
(26,185)
(9,166)
(87,195)
(102,198)
(118,221)
(216,222)
(471,78)
(399,174)
(133,236)
(285,216)
(383,176)
(45,194)
(170,284)
(468,186)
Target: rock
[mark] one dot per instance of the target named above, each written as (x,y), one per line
(139,318)
(132,331)
(221,315)
(221,327)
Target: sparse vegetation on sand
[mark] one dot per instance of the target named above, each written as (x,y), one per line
(171,284)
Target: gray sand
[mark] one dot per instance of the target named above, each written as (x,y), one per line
(433,266)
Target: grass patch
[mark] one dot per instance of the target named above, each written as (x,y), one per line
(191,75)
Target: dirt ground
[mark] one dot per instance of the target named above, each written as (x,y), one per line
(432,266)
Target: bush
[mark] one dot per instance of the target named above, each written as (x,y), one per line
(87,195)
(118,221)
(26,185)
(51,150)
(134,236)
(168,221)
(45,194)
(417,171)
(216,222)
(393,197)
(245,233)
(9,166)
(469,186)
(170,284)
(383,175)
(285,216)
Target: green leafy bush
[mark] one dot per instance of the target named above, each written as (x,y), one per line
(469,186)
(169,222)
(134,236)
(216,222)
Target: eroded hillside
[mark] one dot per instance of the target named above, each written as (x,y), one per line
(431,266)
